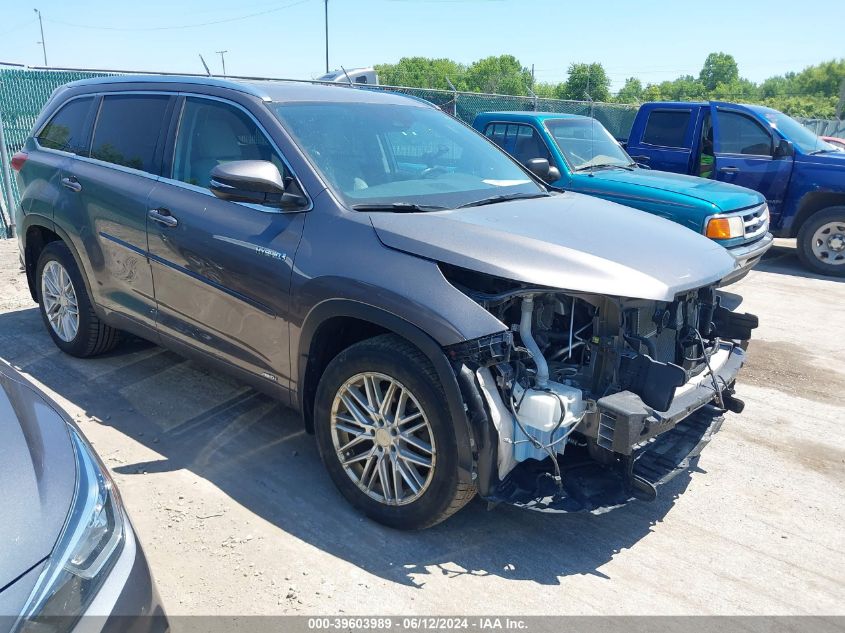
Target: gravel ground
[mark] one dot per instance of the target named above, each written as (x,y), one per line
(237,516)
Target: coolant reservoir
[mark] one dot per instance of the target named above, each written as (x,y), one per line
(539,412)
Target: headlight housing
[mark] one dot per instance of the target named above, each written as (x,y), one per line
(721,228)
(89,545)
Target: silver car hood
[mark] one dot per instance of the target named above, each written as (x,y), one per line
(37,477)
(568,241)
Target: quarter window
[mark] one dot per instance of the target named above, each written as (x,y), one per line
(127,130)
(66,130)
(739,134)
(667,128)
(212,133)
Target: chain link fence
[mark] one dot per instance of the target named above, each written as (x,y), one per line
(23,92)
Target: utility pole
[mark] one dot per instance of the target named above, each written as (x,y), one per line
(43,45)
(326,3)
(223,60)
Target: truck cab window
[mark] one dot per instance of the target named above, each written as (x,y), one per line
(740,134)
(667,128)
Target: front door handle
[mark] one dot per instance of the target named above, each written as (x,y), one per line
(162,216)
(729,170)
(70,182)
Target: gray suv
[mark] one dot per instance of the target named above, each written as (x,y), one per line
(445,323)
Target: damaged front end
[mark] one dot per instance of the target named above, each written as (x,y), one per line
(587,401)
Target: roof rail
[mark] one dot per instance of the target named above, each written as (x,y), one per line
(246,88)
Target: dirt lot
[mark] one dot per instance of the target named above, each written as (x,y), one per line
(238,517)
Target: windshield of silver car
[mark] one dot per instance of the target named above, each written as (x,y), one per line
(407,157)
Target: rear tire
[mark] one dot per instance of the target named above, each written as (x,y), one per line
(420,454)
(821,242)
(65,306)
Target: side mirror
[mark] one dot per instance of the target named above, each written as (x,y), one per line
(541,168)
(253,181)
(784,148)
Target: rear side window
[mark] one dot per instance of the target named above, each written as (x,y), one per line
(739,134)
(66,130)
(667,128)
(127,130)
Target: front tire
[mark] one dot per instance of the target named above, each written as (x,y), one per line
(821,242)
(65,306)
(386,437)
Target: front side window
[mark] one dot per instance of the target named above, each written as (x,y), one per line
(585,143)
(667,128)
(66,130)
(374,153)
(212,133)
(523,142)
(127,130)
(740,134)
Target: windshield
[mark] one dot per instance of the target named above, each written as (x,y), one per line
(792,130)
(585,143)
(386,154)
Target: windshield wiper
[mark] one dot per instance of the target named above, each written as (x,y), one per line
(605,166)
(504,198)
(398,207)
(822,151)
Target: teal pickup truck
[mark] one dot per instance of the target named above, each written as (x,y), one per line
(578,154)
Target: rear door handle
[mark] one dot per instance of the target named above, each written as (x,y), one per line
(729,170)
(70,182)
(162,216)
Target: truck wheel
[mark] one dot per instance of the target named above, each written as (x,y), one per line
(821,242)
(65,306)
(386,437)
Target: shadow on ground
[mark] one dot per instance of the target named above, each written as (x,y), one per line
(783,259)
(256,451)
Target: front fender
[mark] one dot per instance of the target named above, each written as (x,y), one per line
(332,308)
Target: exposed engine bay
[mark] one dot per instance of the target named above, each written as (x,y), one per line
(588,401)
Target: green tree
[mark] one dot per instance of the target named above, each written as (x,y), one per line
(652,93)
(422,72)
(684,88)
(502,74)
(631,92)
(547,90)
(719,68)
(587,79)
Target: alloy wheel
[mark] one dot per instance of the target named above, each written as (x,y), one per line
(383,438)
(60,302)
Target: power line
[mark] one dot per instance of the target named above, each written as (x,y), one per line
(179,26)
(18,27)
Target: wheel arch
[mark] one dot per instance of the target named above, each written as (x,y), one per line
(36,233)
(335,324)
(811,204)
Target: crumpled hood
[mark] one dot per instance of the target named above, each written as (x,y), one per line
(568,241)
(725,196)
(37,476)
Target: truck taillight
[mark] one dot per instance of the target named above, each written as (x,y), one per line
(18,160)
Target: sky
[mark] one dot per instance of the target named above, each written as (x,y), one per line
(655,40)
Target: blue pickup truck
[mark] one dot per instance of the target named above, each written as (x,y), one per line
(801,176)
(577,153)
